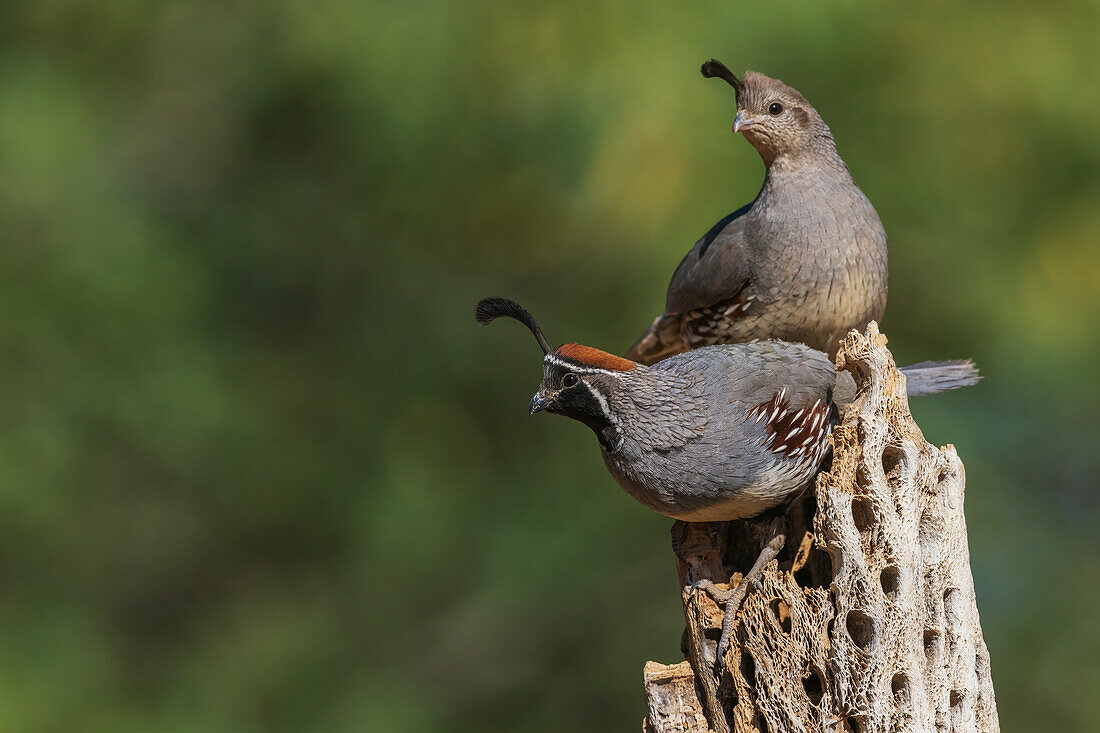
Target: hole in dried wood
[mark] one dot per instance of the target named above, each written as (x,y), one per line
(952,600)
(816,572)
(729,704)
(933,646)
(761,723)
(890,578)
(862,628)
(854,724)
(863,514)
(863,481)
(930,537)
(748,669)
(709,642)
(958,697)
(782,613)
(900,687)
(893,459)
(814,686)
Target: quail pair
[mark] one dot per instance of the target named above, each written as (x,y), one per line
(723,409)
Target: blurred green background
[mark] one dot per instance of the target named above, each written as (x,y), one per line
(260,471)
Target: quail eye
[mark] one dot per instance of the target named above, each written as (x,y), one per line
(569,380)
(775,108)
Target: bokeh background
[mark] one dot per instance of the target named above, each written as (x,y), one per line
(259,470)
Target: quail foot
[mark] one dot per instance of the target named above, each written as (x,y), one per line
(805,261)
(714,434)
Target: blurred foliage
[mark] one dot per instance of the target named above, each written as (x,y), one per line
(260,471)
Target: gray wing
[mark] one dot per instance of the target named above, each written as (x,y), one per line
(770,366)
(713,274)
(715,270)
(750,374)
(736,468)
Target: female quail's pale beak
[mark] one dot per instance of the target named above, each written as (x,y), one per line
(742,121)
(539,403)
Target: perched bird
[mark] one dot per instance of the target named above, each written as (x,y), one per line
(718,433)
(804,262)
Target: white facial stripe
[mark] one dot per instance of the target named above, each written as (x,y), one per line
(578,368)
(604,407)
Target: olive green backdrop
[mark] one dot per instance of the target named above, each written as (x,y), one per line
(260,471)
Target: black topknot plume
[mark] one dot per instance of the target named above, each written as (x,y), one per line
(717,69)
(489,309)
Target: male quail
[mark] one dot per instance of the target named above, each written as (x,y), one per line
(804,262)
(719,433)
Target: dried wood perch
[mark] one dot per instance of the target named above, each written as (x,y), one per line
(867,622)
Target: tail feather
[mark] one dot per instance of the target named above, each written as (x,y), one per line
(660,341)
(930,377)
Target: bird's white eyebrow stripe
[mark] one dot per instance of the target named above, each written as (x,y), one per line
(578,367)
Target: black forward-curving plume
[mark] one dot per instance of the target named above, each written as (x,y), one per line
(489,309)
(714,69)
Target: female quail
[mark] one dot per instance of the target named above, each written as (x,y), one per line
(805,261)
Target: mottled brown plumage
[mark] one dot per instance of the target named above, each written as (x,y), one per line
(805,262)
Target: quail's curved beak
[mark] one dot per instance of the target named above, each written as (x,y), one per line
(540,402)
(743,121)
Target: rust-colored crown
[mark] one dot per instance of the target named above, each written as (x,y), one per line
(588,356)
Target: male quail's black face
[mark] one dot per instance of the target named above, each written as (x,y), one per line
(577,382)
(562,393)
(568,390)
